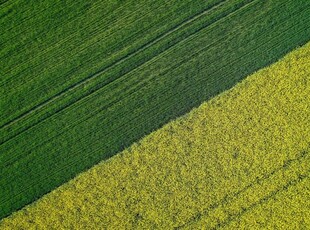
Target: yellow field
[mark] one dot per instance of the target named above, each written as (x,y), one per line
(287,210)
(239,160)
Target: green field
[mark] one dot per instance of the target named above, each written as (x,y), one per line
(81,87)
(239,161)
(45,58)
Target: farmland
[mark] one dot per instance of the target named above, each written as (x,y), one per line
(230,163)
(72,97)
(295,210)
(66,60)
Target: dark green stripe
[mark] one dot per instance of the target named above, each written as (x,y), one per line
(212,55)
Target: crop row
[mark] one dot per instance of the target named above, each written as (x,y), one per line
(58,52)
(116,70)
(233,206)
(109,119)
(223,160)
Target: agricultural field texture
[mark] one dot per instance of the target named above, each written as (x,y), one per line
(239,161)
(81,81)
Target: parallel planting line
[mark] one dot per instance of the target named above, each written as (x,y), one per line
(55,45)
(229,198)
(88,80)
(63,157)
(36,13)
(80,139)
(93,37)
(131,92)
(140,85)
(265,199)
(74,69)
(84,81)
(87,118)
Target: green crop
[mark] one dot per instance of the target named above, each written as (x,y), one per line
(81,82)
(236,161)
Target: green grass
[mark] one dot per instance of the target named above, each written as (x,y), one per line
(60,117)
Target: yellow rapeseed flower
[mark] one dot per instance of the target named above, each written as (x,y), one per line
(239,161)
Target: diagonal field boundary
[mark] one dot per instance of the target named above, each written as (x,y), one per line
(130,92)
(105,107)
